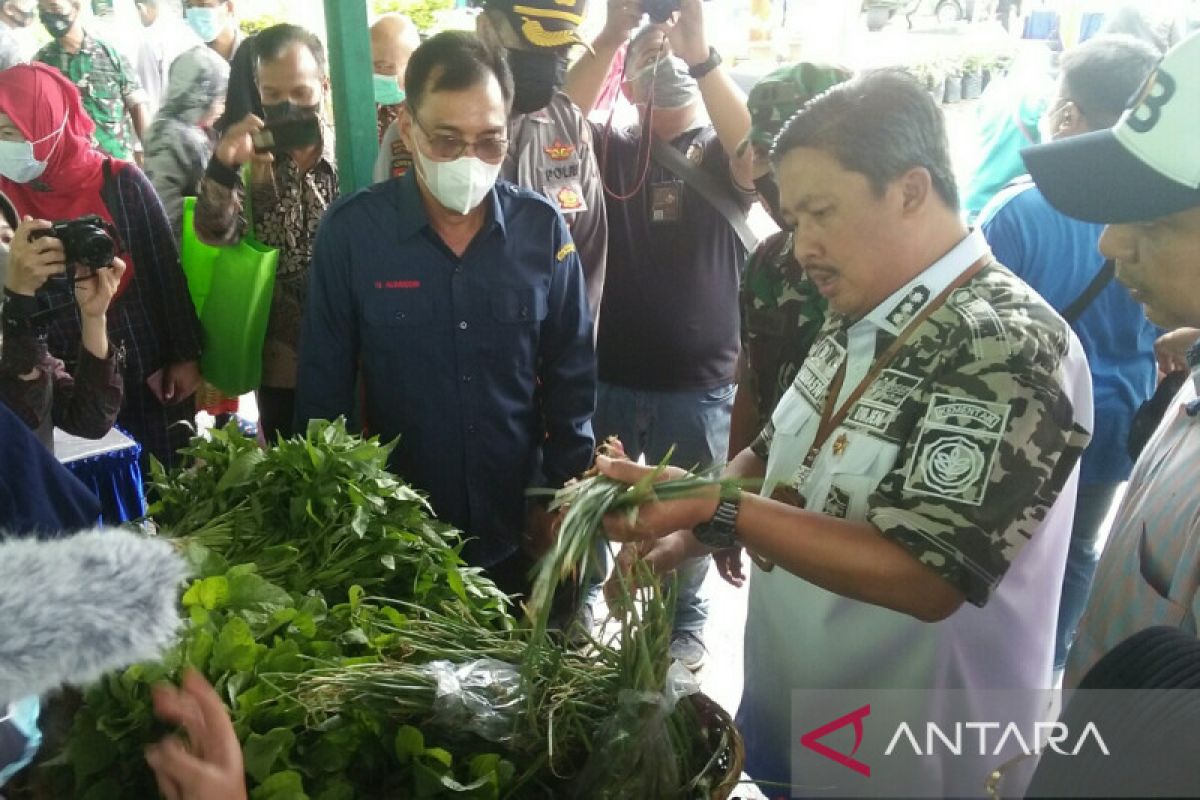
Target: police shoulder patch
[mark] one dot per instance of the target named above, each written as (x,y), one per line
(565,251)
(956,449)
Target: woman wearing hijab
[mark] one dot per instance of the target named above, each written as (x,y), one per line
(55,174)
(181,140)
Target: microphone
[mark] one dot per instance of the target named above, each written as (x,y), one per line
(74,608)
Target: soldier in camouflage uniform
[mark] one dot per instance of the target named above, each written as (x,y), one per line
(925,457)
(112,95)
(781,310)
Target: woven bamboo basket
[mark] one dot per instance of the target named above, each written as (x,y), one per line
(724,741)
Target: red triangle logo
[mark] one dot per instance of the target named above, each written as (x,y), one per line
(811,740)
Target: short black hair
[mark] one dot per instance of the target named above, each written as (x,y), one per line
(1104,73)
(880,124)
(270,44)
(460,60)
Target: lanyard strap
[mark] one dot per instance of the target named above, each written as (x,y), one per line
(830,420)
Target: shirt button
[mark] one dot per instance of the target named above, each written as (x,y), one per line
(399,315)
(466,378)
(471,428)
(462,326)
(524,312)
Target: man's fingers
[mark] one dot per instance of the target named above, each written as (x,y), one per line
(221,744)
(176,765)
(167,786)
(179,708)
(620,469)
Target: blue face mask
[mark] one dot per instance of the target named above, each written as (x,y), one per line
(206,22)
(387,91)
(22,715)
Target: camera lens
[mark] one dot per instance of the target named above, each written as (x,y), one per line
(95,248)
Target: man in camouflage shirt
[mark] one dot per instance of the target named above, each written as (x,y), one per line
(108,85)
(925,460)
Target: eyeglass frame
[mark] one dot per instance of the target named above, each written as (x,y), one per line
(434,138)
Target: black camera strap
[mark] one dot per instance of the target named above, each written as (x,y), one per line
(707,187)
(1098,284)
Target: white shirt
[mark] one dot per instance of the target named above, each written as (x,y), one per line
(161,44)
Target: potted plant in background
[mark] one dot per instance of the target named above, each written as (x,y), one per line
(972,79)
(930,75)
(954,78)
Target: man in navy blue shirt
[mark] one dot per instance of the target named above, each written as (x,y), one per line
(464,301)
(1059,256)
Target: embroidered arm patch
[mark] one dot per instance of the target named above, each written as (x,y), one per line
(956,449)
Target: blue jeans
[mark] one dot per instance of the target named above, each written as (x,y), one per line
(1091,507)
(649,424)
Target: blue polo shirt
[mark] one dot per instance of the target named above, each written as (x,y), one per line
(483,365)
(1058,257)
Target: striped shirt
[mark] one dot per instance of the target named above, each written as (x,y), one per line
(1150,571)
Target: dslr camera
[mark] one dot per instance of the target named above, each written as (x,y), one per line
(660,11)
(87,241)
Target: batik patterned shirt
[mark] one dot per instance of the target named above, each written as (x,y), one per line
(287,205)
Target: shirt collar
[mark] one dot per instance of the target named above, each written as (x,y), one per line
(894,313)
(411,209)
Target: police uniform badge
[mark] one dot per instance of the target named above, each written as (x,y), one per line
(569,199)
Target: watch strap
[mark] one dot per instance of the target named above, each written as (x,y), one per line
(720,531)
(706,66)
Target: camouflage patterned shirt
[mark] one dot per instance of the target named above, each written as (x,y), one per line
(108,87)
(960,445)
(782,314)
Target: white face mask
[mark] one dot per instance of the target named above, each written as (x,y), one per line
(666,81)
(459,185)
(17,162)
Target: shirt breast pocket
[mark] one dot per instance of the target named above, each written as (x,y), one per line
(515,306)
(853,475)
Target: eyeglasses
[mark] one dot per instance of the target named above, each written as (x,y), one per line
(448,148)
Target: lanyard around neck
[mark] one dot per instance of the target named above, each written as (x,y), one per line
(831,419)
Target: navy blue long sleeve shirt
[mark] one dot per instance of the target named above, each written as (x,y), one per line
(483,365)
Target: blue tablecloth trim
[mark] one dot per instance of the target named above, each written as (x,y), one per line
(115,478)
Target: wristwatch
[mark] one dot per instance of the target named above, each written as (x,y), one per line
(706,66)
(720,532)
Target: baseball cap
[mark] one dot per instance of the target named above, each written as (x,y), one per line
(780,94)
(547,24)
(1144,167)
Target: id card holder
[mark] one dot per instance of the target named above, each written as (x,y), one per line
(666,202)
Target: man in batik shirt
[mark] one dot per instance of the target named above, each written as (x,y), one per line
(288,196)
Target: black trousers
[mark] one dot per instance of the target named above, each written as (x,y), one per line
(513,577)
(276,409)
